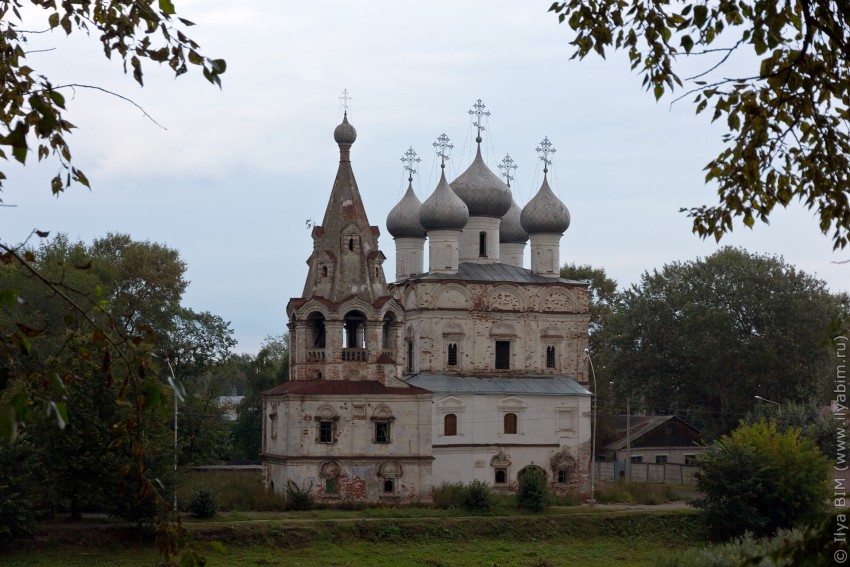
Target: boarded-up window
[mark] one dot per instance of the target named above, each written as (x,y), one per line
(510,423)
(450,425)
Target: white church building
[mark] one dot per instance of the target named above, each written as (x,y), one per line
(471,369)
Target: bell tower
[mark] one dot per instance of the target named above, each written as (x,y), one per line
(345,325)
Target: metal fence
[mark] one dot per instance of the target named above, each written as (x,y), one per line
(647,472)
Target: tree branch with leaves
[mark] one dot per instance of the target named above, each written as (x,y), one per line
(32,107)
(787,120)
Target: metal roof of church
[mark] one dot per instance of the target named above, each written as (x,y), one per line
(470,271)
(342,387)
(538,385)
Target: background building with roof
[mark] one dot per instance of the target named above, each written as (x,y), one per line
(471,369)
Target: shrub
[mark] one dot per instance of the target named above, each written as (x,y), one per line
(204,503)
(17,508)
(477,496)
(449,495)
(759,480)
(534,493)
(236,491)
(298,498)
(811,546)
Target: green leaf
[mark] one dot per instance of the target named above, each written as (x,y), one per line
(700,15)
(658,90)
(58,410)
(687,43)
(53,20)
(167,7)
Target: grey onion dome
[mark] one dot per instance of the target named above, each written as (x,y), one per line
(443,210)
(345,132)
(403,220)
(483,192)
(545,213)
(510,229)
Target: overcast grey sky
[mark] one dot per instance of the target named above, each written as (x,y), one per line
(236,173)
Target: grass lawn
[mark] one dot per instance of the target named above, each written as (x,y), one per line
(601,552)
(616,538)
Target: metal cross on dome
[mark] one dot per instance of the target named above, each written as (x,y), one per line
(345,98)
(479,112)
(441,145)
(545,149)
(508,166)
(410,159)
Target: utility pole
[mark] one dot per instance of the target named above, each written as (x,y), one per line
(629,438)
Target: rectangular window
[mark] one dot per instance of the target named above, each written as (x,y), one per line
(410,356)
(330,486)
(501,476)
(382,432)
(637,459)
(660,459)
(550,357)
(563,476)
(452,354)
(503,355)
(326,432)
(690,460)
(273,424)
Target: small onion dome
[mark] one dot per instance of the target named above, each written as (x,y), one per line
(483,192)
(345,132)
(510,230)
(443,210)
(403,220)
(545,213)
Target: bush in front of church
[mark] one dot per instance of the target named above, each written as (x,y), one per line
(204,503)
(478,496)
(533,493)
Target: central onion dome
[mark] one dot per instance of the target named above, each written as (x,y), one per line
(510,229)
(345,132)
(403,220)
(545,213)
(443,210)
(483,192)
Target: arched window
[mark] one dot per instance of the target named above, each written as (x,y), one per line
(324,271)
(450,425)
(354,330)
(317,329)
(452,358)
(510,423)
(550,357)
(351,244)
(501,476)
(482,244)
(410,355)
(387,339)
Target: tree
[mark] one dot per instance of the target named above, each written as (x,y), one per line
(603,292)
(807,418)
(32,108)
(701,339)
(787,115)
(269,368)
(759,480)
(114,451)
